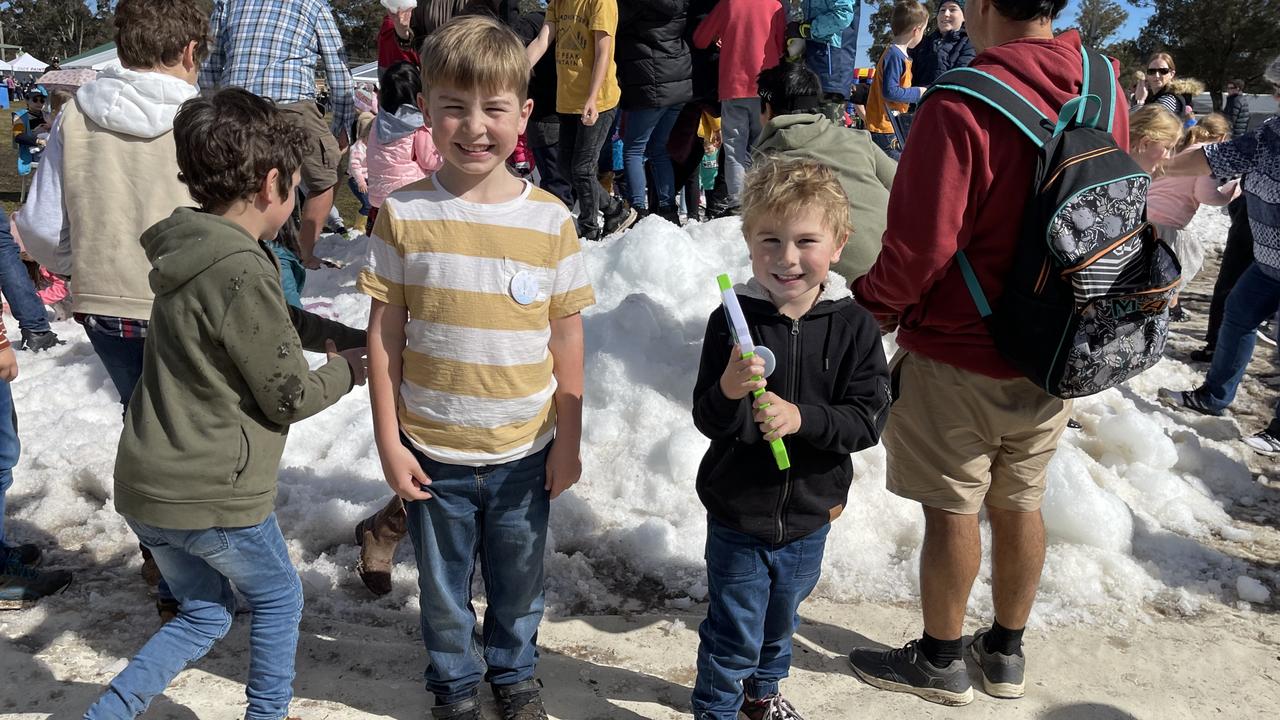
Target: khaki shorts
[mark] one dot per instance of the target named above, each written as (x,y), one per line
(957,440)
(320,164)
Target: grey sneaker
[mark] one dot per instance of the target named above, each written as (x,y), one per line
(907,670)
(1186,399)
(1002,675)
(1264,443)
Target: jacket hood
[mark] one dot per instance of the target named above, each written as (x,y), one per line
(786,132)
(187,243)
(401,124)
(833,288)
(140,104)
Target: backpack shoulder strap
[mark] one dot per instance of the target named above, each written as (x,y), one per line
(1100,81)
(994,92)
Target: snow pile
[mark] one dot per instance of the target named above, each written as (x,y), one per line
(1134,506)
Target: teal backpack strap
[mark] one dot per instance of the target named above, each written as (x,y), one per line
(975,288)
(1100,82)
(992,91)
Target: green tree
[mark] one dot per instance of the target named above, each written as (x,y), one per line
(1098,20)
(1215,40)
(359,22)
(51,29)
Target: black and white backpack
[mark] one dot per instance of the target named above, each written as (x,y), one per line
(1086,304)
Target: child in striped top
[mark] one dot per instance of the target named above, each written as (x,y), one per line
(476,361)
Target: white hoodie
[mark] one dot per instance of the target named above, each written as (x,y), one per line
(138,104)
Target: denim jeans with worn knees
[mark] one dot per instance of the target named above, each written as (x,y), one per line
(740,126)
(496,514)
(201,566)
(1252,301)
(745,643)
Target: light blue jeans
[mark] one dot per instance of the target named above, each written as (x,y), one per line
(645,137)
(201,566)
(740,126)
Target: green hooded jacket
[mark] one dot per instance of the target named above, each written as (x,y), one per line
(865,172)
(223,377)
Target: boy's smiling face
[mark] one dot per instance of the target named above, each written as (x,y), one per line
(791,256)
(474,130)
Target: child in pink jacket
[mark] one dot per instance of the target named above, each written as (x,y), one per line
(1173,201)
(400,149)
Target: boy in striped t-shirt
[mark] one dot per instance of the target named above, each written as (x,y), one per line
(475,362)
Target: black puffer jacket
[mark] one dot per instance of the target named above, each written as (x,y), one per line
(938,53)
(654,65)
(1237,111)
(830,363)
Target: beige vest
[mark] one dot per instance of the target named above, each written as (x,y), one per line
(114,187)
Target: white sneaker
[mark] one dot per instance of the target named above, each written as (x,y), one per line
(1264,443)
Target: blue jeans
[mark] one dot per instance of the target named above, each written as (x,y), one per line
(362,197)
(1253,300)
(9,446)
(122,357)
(496,513)
(888,143)
(745,642)
(740,126)
(16,284)
(645,137)
(201,566)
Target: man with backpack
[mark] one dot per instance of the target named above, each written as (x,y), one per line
(969,428)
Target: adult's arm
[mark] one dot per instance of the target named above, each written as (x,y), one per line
(342,100)
(40,221)
(211,69)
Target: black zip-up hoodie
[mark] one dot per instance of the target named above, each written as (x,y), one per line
(830,364)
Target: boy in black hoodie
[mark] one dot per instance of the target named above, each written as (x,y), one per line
(827,394)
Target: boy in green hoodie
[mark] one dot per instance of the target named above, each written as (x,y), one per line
(223,377)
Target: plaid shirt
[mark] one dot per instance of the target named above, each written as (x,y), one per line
(272,48)
(114,326)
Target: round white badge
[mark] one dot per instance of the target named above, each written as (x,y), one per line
(524,287)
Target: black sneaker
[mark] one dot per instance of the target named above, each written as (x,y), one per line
(1189,399)
(468,709)
(22,585)
(1264,443)
(1002,675)
(37,341)
(1267,333)
(622,217)
(1074,424)
(1204,354)
(521,701)
(1177,314)
(670,214)
(773,707)
(907,670)
(27,554)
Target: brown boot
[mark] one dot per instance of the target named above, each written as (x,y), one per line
(377,536)
(150,571)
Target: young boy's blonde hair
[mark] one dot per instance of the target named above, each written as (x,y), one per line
(475,52)
(778,187)
(1155,124)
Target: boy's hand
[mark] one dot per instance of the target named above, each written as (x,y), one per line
(779,419)
(355,357)
(564,467)
(404,474)
(736,381)
(8,364)
(589,113)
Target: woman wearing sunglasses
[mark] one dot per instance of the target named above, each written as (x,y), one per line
(1159,85)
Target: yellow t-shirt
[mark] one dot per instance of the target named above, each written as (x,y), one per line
(576,23)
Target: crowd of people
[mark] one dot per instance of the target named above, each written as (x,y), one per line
(187,243)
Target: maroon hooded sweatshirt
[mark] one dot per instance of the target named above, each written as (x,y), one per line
(962,184)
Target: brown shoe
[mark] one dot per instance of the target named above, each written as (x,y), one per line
(377,536)
(150,571)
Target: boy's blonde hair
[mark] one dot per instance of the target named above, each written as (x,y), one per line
(778,187)
(475,52)
(907,16)
(1155,124)
(1212,128)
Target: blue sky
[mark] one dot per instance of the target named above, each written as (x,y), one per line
(1137,17)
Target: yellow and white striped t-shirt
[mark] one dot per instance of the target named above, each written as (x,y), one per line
(481,284)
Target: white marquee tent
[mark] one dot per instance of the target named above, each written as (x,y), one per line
(96,59)
(26,64)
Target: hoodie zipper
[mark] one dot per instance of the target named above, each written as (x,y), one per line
(793,378)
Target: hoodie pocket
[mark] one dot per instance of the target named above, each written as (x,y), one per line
(242,460)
